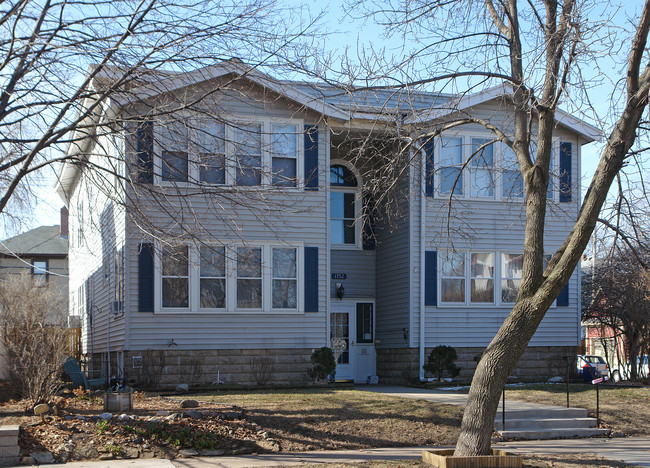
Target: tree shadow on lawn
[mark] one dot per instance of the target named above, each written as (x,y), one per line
(351,427)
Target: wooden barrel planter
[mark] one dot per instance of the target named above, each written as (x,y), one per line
(445,459)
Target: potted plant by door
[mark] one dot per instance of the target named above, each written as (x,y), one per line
(118,397)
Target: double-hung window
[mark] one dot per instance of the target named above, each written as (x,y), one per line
(175,277)
(512,265)
(211,151)
(249,278)
(482,168)
(482,278)
(452,282)
(284,154)
(284,283)
(248,153)
(451,161)
(512,184)
(213,277)
(39,273)
(174,162)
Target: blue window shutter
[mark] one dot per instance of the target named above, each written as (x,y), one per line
(428,171)
(431,278)
(311,157)
(145,278)
(311,279)
(565,172)
(144,152)
(563,298)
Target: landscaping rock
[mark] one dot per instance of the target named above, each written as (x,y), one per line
(186,453)
(162,413)
(106,456)
(182,388)
(105,416)
(211,453)
(42,457)
(173,417)
(124,417)
(28,461)
(233,415)
(130,452)
(193,414)
(41,409)
(189,404)
(557,379)
(137,440)
(270,445)
(82,452)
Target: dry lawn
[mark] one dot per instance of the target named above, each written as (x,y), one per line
(623,409)
(327,419)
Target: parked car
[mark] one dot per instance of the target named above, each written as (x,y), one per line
(623,371)
(595,362)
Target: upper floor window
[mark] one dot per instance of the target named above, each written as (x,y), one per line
(479,167)
(344,205)
(231,152)
(39,273)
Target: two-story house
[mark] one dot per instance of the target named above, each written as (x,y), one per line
(271,218)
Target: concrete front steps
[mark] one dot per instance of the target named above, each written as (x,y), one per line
(547,423)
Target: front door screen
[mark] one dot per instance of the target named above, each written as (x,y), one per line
(340,336)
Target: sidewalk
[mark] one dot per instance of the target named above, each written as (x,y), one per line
(633,451)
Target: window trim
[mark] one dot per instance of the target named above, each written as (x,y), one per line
(497,170)
(230,177)
(358,229)
(231,279)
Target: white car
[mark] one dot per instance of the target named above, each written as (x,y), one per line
(623,371)
(596,362)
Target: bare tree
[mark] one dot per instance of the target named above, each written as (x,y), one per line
(539,50)
(33,321)
(63,62)
(616,298)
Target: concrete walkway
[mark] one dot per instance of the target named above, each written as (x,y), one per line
(449,397)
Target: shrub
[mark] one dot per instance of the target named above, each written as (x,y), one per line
(32,321)
(262,369)
(441,362)
(323,364)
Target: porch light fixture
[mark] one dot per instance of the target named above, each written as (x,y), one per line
(340,290)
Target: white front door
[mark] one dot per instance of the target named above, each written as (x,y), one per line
(352,340)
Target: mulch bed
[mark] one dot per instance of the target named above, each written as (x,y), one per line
(157,427)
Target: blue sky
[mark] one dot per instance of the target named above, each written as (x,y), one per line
(347,31)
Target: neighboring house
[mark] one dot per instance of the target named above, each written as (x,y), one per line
(235,232)
(43,254)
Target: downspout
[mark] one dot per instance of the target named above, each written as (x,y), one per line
(423,204)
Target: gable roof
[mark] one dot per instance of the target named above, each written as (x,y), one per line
(43,240)
(465,101)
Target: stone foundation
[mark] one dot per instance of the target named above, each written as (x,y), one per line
(401,365)
(9,449)
(167,368)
